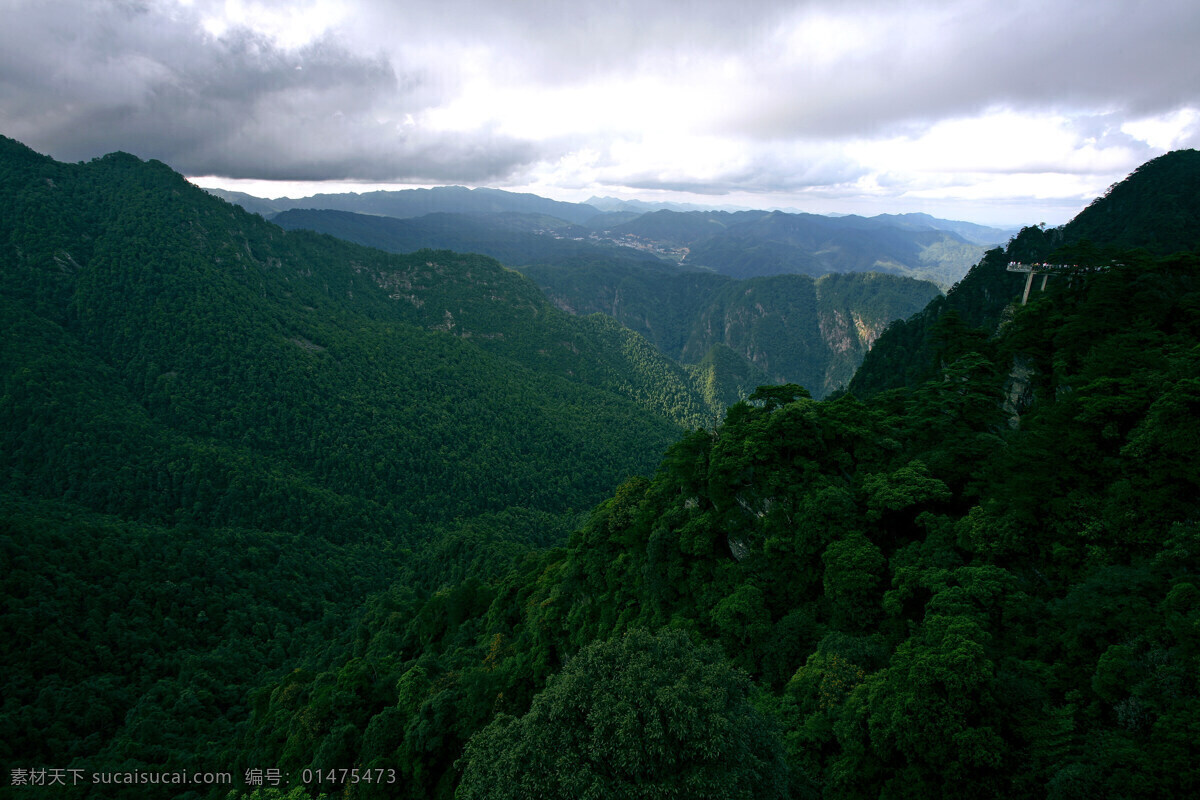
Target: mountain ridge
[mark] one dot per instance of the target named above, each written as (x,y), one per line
(660,301)
(403,203)
(662,223)
(1158,206)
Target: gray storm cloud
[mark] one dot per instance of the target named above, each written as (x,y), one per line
(936,60)
(131,78)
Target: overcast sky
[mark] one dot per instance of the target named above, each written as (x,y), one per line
(1007,112)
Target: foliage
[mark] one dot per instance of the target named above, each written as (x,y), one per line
(198,409)
(638,716)
(934,603)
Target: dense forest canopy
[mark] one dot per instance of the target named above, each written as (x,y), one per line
(217,439)
(352,524)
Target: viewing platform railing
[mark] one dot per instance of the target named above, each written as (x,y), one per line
(1047,270)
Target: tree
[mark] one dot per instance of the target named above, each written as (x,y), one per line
(642,715)
(854,570)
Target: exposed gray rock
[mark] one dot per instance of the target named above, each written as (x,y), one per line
(1019,394)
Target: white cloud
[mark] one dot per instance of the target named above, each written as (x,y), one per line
(289,25)
(1175,130)
(1004,141)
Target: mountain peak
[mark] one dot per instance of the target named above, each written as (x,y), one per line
(1157,207)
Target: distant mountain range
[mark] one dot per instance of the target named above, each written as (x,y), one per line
(512,238)
(740,244)
(613,204)
(418,202)
(678,276)
(748,244)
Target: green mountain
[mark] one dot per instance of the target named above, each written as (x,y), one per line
(928,600)
(217,438)
(788,328)
(810,244)
(1156,209)
(512,239)
(169,297)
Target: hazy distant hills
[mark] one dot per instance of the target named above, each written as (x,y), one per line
(752,244)
(616,205)
(740,244)
(684,228)
(418,202)
(512,238)
(975,234)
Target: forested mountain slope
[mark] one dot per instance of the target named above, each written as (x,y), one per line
(1155,210)
(787,328)
(931,598)
(512,239)
(203,322)
(217,438)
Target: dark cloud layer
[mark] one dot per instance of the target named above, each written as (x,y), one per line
(129,78)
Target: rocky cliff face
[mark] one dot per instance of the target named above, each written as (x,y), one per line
(787,328)
(771,322)
(848,336)
(1018,391)
(837,333)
